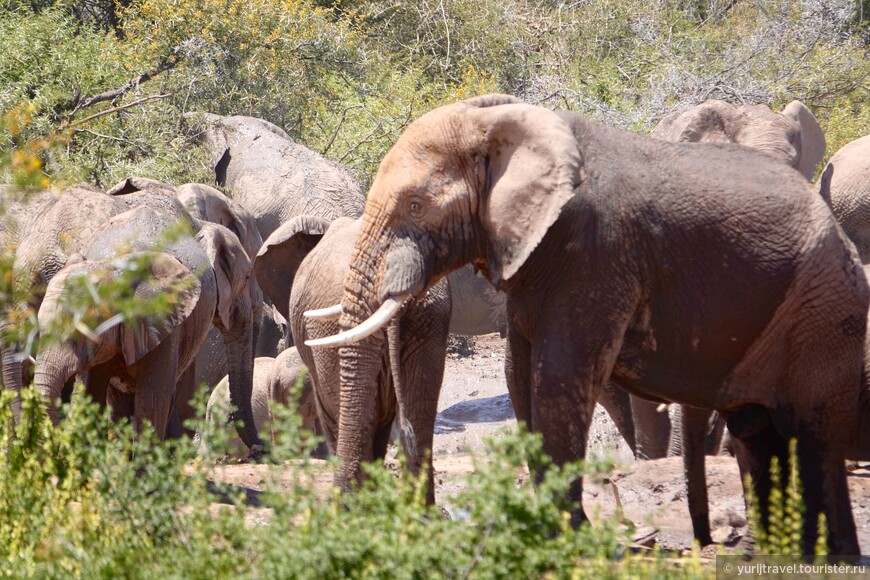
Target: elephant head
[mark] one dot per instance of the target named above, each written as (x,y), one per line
(129,342)
(477,181)
(233,317)
(207,204)
(303,266)
(793,136)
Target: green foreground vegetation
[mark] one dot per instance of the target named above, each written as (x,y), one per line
(76,502)
(96,90)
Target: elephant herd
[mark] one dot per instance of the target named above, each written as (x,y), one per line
(696,267)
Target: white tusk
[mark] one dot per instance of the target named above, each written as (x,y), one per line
(365,329)
(328,313)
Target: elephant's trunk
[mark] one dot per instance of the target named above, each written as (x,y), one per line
(54,366)
(12,371)
(239,346)
(406,430)
(359,367)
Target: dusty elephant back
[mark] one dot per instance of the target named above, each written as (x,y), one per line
(275,178)
(845,185)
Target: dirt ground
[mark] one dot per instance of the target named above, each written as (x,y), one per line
(474,404)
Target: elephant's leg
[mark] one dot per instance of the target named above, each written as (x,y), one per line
(182,408)
(381,441)
(566,382)
(715,436)
(652,428)
(756,442)
(617,403)
(97,383)
(423,354)
(155,387)
(121,404)
(694,430)
(518,373)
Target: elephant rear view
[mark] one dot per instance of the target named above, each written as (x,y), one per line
(845,185)
(792,136)
(273,177)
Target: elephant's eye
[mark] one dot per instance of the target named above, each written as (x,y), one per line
(415,208)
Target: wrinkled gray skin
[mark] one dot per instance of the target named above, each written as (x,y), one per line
(793,136)
(274,378)
(207,204)
(845,185)
(216,257)
(58,227)
(15,214)
(705,274)
(478,308)
(305,262)
(275,178)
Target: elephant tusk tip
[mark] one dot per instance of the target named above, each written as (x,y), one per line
(328,313)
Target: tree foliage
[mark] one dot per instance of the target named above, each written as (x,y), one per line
(346,77)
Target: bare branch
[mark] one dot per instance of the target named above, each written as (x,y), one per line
(338,127)
(122,107)
(78,104)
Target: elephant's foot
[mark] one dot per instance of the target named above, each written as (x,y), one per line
(257,455)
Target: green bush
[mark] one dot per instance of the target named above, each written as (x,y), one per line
(345,78)
(88,498)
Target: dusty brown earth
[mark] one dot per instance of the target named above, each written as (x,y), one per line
(474,405)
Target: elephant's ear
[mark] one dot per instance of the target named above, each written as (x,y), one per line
(812,138)
(230,265)
(135,183)
(531,164)
(709,122)
(169,276)
(280,256)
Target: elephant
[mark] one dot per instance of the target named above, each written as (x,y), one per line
(53,228)
(845,185)
(793,135)
(477,307)
(272,176)
(701,274)
(302,266)
(15,214)
(273,380)
(135,367)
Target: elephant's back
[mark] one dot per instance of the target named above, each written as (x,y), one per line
(276,179)
(845,184)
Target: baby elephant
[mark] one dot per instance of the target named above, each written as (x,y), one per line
(273,380)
